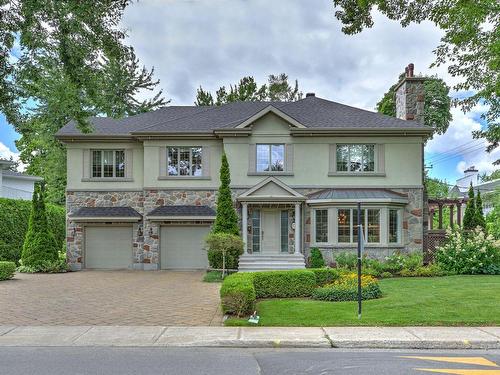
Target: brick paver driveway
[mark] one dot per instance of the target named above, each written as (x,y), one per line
(110,298)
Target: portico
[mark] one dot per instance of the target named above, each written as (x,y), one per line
(272,226)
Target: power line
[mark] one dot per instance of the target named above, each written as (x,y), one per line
(449,157)
(455,149)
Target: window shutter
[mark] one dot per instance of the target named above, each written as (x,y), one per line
(128,163)
(333,158)
(87,163)
(252,154)
(205,161)
(289,158)
(163,161)
(381,158)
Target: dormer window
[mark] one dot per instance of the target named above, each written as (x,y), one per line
(270,158)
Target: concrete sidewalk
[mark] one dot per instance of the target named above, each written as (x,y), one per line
(255,337)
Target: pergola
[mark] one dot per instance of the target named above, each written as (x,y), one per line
(439,204)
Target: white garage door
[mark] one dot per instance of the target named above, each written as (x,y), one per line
(182,247)
(108,247)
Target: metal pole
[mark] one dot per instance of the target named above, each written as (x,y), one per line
(360,238)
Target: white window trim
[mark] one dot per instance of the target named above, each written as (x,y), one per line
(190,175)
(102,177)
(333,226)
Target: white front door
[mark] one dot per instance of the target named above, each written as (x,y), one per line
(270,240)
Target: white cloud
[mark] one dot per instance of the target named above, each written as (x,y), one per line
(7,153)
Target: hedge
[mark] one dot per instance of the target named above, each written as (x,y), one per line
(14,217)
(7,270)
(239,291)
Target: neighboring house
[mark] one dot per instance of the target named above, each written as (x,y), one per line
(142,190)
(15,185)
(487,189)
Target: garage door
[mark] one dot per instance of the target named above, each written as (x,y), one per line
(108,247)
(182,247)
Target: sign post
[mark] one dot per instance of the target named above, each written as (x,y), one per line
(360,239)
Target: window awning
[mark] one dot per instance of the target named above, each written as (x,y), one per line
(357,195)
(182,212)
(102,214)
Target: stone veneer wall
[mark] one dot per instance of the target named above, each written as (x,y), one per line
(146,249)
(412,230)
(145,233)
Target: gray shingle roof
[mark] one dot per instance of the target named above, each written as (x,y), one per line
(357,194)
(110,212)
(10,173)
(312,112)
(182,210)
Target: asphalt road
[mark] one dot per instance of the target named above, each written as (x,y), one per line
(180,361)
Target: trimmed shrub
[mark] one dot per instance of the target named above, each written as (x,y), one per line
(325,275)
(237,294)
(14,218)
(346,289)
(474,253)
(7,270)
(316,258)
(220,243)
(284,284)
(432,270)
(39,245)
(346,260)
(48,266)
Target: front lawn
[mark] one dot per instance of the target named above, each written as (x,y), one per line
(449,301)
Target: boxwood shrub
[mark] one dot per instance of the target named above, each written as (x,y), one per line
(7,270)
(284,284)
(325,275)
(237,294)
(14,218)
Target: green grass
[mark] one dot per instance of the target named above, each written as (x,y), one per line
(446,301)
(213,277)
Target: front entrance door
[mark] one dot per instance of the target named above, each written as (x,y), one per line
(270,240)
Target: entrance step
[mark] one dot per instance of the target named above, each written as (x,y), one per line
(252,262)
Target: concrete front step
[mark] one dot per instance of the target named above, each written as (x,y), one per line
(271,262)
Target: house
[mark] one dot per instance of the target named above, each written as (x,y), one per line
(487,188)
(142,190)
(15,185)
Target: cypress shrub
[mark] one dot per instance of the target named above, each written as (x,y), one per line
(470,211)
(40,244)
(316,258)
(7,270)
(14,218)
(479,216)
(226,220)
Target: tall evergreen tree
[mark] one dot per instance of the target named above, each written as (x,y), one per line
(470,211)
(226,220)
(39,244)
(479,217)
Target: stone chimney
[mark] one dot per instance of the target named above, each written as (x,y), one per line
(410,96)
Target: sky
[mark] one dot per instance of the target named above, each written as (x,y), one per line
(216,42)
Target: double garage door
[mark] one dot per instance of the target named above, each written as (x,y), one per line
(181,247)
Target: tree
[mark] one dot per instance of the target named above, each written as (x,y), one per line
(469,45)
(469,222)
(226,220)
(493,176)
(493,217)
(39,245)
(437,104)
(479,216)
(277,89)
(63,60)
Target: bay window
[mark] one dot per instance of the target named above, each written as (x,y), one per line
(321,220)
(394,226)
(108,163)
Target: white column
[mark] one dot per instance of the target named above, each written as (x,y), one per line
(244,225)
(297,228)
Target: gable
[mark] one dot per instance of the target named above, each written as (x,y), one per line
(271,189)
(277,112)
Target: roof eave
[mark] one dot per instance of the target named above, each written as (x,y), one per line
(102,219)
(320,132)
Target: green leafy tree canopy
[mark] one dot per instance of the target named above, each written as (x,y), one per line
(470,45)
(277,89)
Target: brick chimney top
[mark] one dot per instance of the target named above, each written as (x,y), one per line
(309,94)
(472,168)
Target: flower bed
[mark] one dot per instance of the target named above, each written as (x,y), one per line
(345,288)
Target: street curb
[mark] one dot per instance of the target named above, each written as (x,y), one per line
(253,337)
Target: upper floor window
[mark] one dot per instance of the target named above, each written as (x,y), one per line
(184,161)
(108,163)
(270,157)
(355,158)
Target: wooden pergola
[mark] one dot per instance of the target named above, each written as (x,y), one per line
(439,203)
